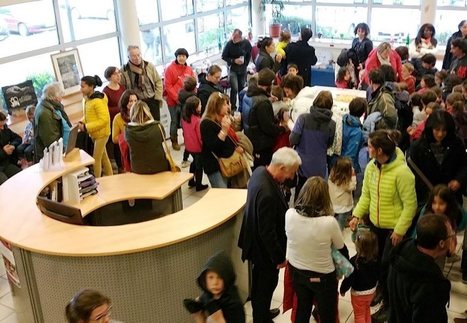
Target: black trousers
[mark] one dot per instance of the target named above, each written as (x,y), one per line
(384,249)
(262,158)
(265,278)
(310,286)
(154,107)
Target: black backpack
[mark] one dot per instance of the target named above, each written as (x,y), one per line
(345,56)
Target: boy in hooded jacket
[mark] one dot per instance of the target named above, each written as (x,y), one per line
(219,300)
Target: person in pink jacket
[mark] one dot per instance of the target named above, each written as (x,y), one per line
(191,120)
(381,55)
(174,76)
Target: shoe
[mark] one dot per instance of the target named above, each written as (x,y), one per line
(175,145)
(377,299)
(191,183)
(192,305)
(201,187)
(274,312)
(382,315)
(185,164)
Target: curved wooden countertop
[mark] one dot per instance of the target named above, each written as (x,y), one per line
(23,225)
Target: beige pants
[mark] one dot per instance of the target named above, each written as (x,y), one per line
(100,158)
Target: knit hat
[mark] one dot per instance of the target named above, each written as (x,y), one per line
(181,51)
(266,76)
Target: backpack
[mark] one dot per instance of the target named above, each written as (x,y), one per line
(345,56)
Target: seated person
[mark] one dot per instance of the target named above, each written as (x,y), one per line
(26,149)
(9,141)
(88,306)
(344,78)
(219,301)
(424,65)
(427,82)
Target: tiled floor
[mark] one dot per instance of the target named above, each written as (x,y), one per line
(458,303)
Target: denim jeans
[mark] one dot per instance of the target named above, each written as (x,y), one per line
(342,219)
(237,83)
(175,114)
(217,180)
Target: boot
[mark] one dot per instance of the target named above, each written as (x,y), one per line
(199,181)
(175,145)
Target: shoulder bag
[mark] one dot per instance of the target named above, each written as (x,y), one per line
(173,167)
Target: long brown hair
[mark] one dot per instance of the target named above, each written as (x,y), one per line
(341,172)
(366,245)
(215,103)
(80,308)
(313,199)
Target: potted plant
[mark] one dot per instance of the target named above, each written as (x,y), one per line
(277,6)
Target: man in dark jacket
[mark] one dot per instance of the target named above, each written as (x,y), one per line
(9,141)
(208,85)
(418,290)
(459,53)
(262,236)
(262,127)
(303,55)
(237,54)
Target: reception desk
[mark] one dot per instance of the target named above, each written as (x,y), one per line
(146,268)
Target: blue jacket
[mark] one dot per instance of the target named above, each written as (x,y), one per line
(352,139)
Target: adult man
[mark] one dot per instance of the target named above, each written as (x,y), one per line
(262,128)
(302,54)
(237,54)
(142,76)
(382,101)
(459,64)
(262,237)
(418,290)
(209,85)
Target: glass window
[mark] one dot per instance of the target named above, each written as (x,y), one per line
(176,8)
(446,23)
(398,2)
(452,3)
(27,26)
(343,1)
(210,33)
(206,5)
(185,38)
(151,45)
(238,18)
(338,22)
(147,11)
(383,27)
(234,2)
(97,56)
(86,18)
(294,17)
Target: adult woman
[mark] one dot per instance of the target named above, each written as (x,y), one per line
(127,100)
(424,43)
(9,141)
(312,134)
(311,232)
(96,122)
(264,59)
(388,196)
(440,155)
(145,138)
(50,120)
(209,85)
(362,45)
(461,33)
(88,306)
(218,138)
(383,55)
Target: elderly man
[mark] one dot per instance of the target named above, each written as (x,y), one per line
(142,76)
(262,237)
(237,54)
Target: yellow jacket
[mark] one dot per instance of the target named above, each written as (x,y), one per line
(280,48)
(118,127)
(96,115)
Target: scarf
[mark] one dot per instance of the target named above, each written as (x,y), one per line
(140,74)
(382,60)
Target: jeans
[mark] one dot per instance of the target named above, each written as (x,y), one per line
(101,158)
(217,180)
(264,282)
(342,219)
(237,82)
(26,151)
(361,307)
(175,114)
(8,171)
(310,286)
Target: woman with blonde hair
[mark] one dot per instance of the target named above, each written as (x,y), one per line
(145,137)
(383,55)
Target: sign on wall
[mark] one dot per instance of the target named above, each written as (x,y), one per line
(19,96)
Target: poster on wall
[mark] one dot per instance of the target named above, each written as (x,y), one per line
(10,264)
(19,96)
(68,70)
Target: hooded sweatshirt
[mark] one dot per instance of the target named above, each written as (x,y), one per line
(147,155)
(229,302)
(352,139)
(205,89)
(418,290)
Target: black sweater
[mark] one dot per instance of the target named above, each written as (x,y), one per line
(364,276)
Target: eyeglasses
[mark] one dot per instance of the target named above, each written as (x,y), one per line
(102,316)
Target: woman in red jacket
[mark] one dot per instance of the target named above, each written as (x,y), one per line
(174,76)
(383,55)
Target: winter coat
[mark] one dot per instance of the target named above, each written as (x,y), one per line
(352,139)
(362,48)
(303,55)
(447,60)
(312,134)
(459,67)
(192,134)
(388,194)
(147,155)
(383,101)
(233,51)
(205,90)
(174,76)
(229,301)
(424,49)
(264,60)
(373,63)
(96,115)
(7,136)
(152,75)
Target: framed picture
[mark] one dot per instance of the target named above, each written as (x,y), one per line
(68,70)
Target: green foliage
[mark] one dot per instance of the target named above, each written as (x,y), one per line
(293,24)
(40,80)
(277,7)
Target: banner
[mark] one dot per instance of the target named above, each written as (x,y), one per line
(19,96)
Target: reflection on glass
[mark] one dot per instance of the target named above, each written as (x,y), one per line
(176,8)
(452,3)
(234,2)
(237,18)
(384,28)
(446,23)
(146,11)
(95,64)
(339,22)
(27,26)
(206,5)
(86,18)
(151,45)
(344,1)
(179,35)
(398,2)
(210,33)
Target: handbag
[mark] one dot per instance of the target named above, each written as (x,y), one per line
(173,167)
(232,165)
(342,264)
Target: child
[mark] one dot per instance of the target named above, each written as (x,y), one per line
(424,65)
(188,90)
(278,93)
(364,278)
(344,78)
(219,300)
(292,69)
(26,149)
(416,133)
(440,76)
(426,83)
(420,116)
(88,305)
(342,182)
(192,136)
(408,78)
(455,106)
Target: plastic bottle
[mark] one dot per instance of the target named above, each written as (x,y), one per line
(407,40)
